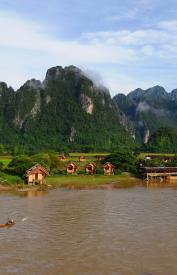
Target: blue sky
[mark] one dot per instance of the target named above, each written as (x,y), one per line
(124,44)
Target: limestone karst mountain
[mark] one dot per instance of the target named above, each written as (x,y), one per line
(66,110)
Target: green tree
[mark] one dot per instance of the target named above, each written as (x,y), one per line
(122,159)
(43,159)
(54,161)
(19,165)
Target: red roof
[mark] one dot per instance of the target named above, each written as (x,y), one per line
(108,163)
(36,167)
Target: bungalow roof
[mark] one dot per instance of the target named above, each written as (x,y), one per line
(37,166)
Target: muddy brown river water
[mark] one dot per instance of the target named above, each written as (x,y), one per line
(124,231)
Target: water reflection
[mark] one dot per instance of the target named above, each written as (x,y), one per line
(27,193)
(35,193)
(157,185)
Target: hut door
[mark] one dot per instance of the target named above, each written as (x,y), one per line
(36,176)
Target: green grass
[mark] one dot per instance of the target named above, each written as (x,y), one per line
(9,179)
(143,155)
(88,181)
(5,160)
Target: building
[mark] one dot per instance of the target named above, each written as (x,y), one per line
(36,174)
(159,173)
(108,169)
(71,168)
(62,158)
(90,168)
(82,158)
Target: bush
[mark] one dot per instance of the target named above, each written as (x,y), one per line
(19,165)
(123,159)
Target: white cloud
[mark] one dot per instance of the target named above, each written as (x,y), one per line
(26,35)
(25,45)
(131,38)
(170,25)
(26,50)
(160,41)
(143,107)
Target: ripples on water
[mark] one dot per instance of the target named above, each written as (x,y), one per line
(125,231)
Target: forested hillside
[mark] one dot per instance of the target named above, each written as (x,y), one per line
(66,111)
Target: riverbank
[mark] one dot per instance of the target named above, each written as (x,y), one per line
(93,182)
(78,182)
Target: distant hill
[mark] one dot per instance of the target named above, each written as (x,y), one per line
(65,111)
(148,110)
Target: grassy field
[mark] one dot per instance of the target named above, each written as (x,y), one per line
(94,181)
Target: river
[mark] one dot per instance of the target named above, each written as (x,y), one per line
(115,231)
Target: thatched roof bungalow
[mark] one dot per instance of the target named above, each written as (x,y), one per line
(71,168)
(90,168)
(36,174)
(62,158)
(82,158)
(108,169)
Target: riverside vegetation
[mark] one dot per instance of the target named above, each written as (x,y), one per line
(126,173)
(13,170)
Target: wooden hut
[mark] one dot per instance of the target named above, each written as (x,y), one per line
(90,168)
(82,158)
(108,169)
(36,174)
(62,158)
(71,168)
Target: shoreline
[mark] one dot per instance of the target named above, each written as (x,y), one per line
(78,182)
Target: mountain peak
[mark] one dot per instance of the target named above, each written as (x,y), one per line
(73,69)
(59,73)
(53,73)
(154,92)
(33,84)
(157,90)
(3,85)
(136,94)
(173,94)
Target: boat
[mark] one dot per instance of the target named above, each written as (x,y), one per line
(7,224)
